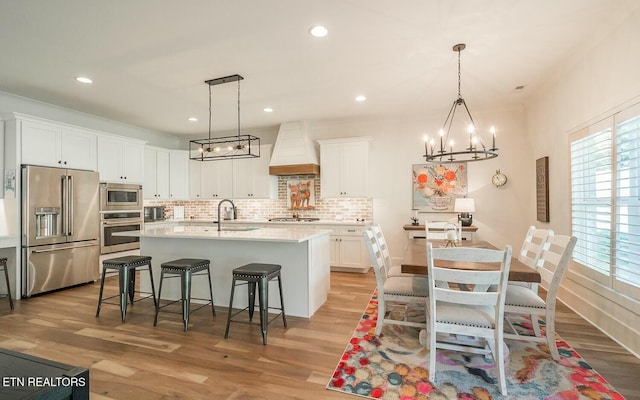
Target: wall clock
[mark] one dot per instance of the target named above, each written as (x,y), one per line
(499,179)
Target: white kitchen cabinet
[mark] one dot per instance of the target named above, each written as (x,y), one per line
(251,179)
(216,179)
(55,145)
(120,160)
(348,252)
(156,174)
(178,174)
(195,176)
(344,167)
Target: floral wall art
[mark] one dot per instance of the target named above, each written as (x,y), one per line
(436,186)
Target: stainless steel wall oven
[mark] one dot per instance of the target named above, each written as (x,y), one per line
(119,221)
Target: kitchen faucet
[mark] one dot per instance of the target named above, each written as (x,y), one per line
(235,215)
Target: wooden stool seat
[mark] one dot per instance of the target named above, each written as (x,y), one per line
(260,274)
(126,267)
(185,269)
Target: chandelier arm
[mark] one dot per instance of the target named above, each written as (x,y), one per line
(473,123)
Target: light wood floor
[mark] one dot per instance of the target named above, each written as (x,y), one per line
(135,360)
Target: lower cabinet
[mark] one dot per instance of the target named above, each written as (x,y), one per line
(348,251)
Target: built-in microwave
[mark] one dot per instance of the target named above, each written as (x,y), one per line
(120,196)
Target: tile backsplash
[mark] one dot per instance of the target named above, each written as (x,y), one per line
(348,209)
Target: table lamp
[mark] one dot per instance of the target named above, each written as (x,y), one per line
(465,206)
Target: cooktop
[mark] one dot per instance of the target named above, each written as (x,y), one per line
(294,219)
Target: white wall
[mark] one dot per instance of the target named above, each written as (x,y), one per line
(590,84)
(503,214)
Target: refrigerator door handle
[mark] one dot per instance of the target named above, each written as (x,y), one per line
(71,207)
(65,203)
(77,246)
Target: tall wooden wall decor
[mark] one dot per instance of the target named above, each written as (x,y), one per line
(542,189)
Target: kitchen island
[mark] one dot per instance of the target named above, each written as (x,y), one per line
(302,252)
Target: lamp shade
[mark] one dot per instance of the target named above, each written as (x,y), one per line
(464,205)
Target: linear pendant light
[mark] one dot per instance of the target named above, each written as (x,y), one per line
(224,147)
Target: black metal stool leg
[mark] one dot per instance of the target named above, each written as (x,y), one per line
(185,279)
(157,304)
(251,287)
(132,284)
(233,287)
(213,308)
(263,287)
(156,300)
(284,319)
(6,277)
(123,278)
(104,275)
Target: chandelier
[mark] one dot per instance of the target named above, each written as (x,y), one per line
(446,153)
(224,147)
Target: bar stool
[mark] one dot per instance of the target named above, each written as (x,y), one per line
(185,269)
(260,274)
(126,267)
(3,265)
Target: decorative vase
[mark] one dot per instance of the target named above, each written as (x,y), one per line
(440,202)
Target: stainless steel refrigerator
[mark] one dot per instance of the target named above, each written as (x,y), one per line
(60,228)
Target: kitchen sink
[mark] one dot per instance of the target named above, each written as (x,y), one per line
(240,228)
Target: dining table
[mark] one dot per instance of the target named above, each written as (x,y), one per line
(415,261)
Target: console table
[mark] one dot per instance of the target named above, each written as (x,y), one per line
(417,231)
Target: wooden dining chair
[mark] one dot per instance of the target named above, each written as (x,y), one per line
(531,249)
(402,290)
(474,313)
(392,270)
(553,263)
(437,230)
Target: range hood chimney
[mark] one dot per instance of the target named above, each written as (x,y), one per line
(294,153)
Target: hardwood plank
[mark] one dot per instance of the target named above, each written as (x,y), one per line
(135,360)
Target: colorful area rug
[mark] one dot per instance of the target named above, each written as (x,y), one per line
(393,366)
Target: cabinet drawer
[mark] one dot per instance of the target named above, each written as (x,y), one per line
(351,230)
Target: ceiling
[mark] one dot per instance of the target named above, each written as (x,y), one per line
(149,58)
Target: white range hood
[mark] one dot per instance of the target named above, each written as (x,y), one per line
(294,153)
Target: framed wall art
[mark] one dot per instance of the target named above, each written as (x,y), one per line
(301,194)
(436,186)
(542,189)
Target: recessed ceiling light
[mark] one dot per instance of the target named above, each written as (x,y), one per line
(361,98)
(192,119)
(268,109)
(318,31)
(83,79)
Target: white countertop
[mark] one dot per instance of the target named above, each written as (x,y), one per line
(262,222)
(7,241)
(296,235)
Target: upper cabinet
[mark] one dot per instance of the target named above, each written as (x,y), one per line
(156,174)
(216,179)
(344,167)
(57,145)
(251,179)
(120,160)
(178,174)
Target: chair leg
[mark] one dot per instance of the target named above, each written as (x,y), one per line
(185,279)
(535,325)
(132,284)
(284,319)
(233,287)
(551,338)
(213,308)
(155,319)
(263,287)
(104,274)
(123,277)
(251,287)
(381,315)
(6,277)
(153,289)
(498,359)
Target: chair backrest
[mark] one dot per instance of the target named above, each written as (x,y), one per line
(377,260)
(436,230)
(554,261)
(485,278)
(532,246)
(382,245)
